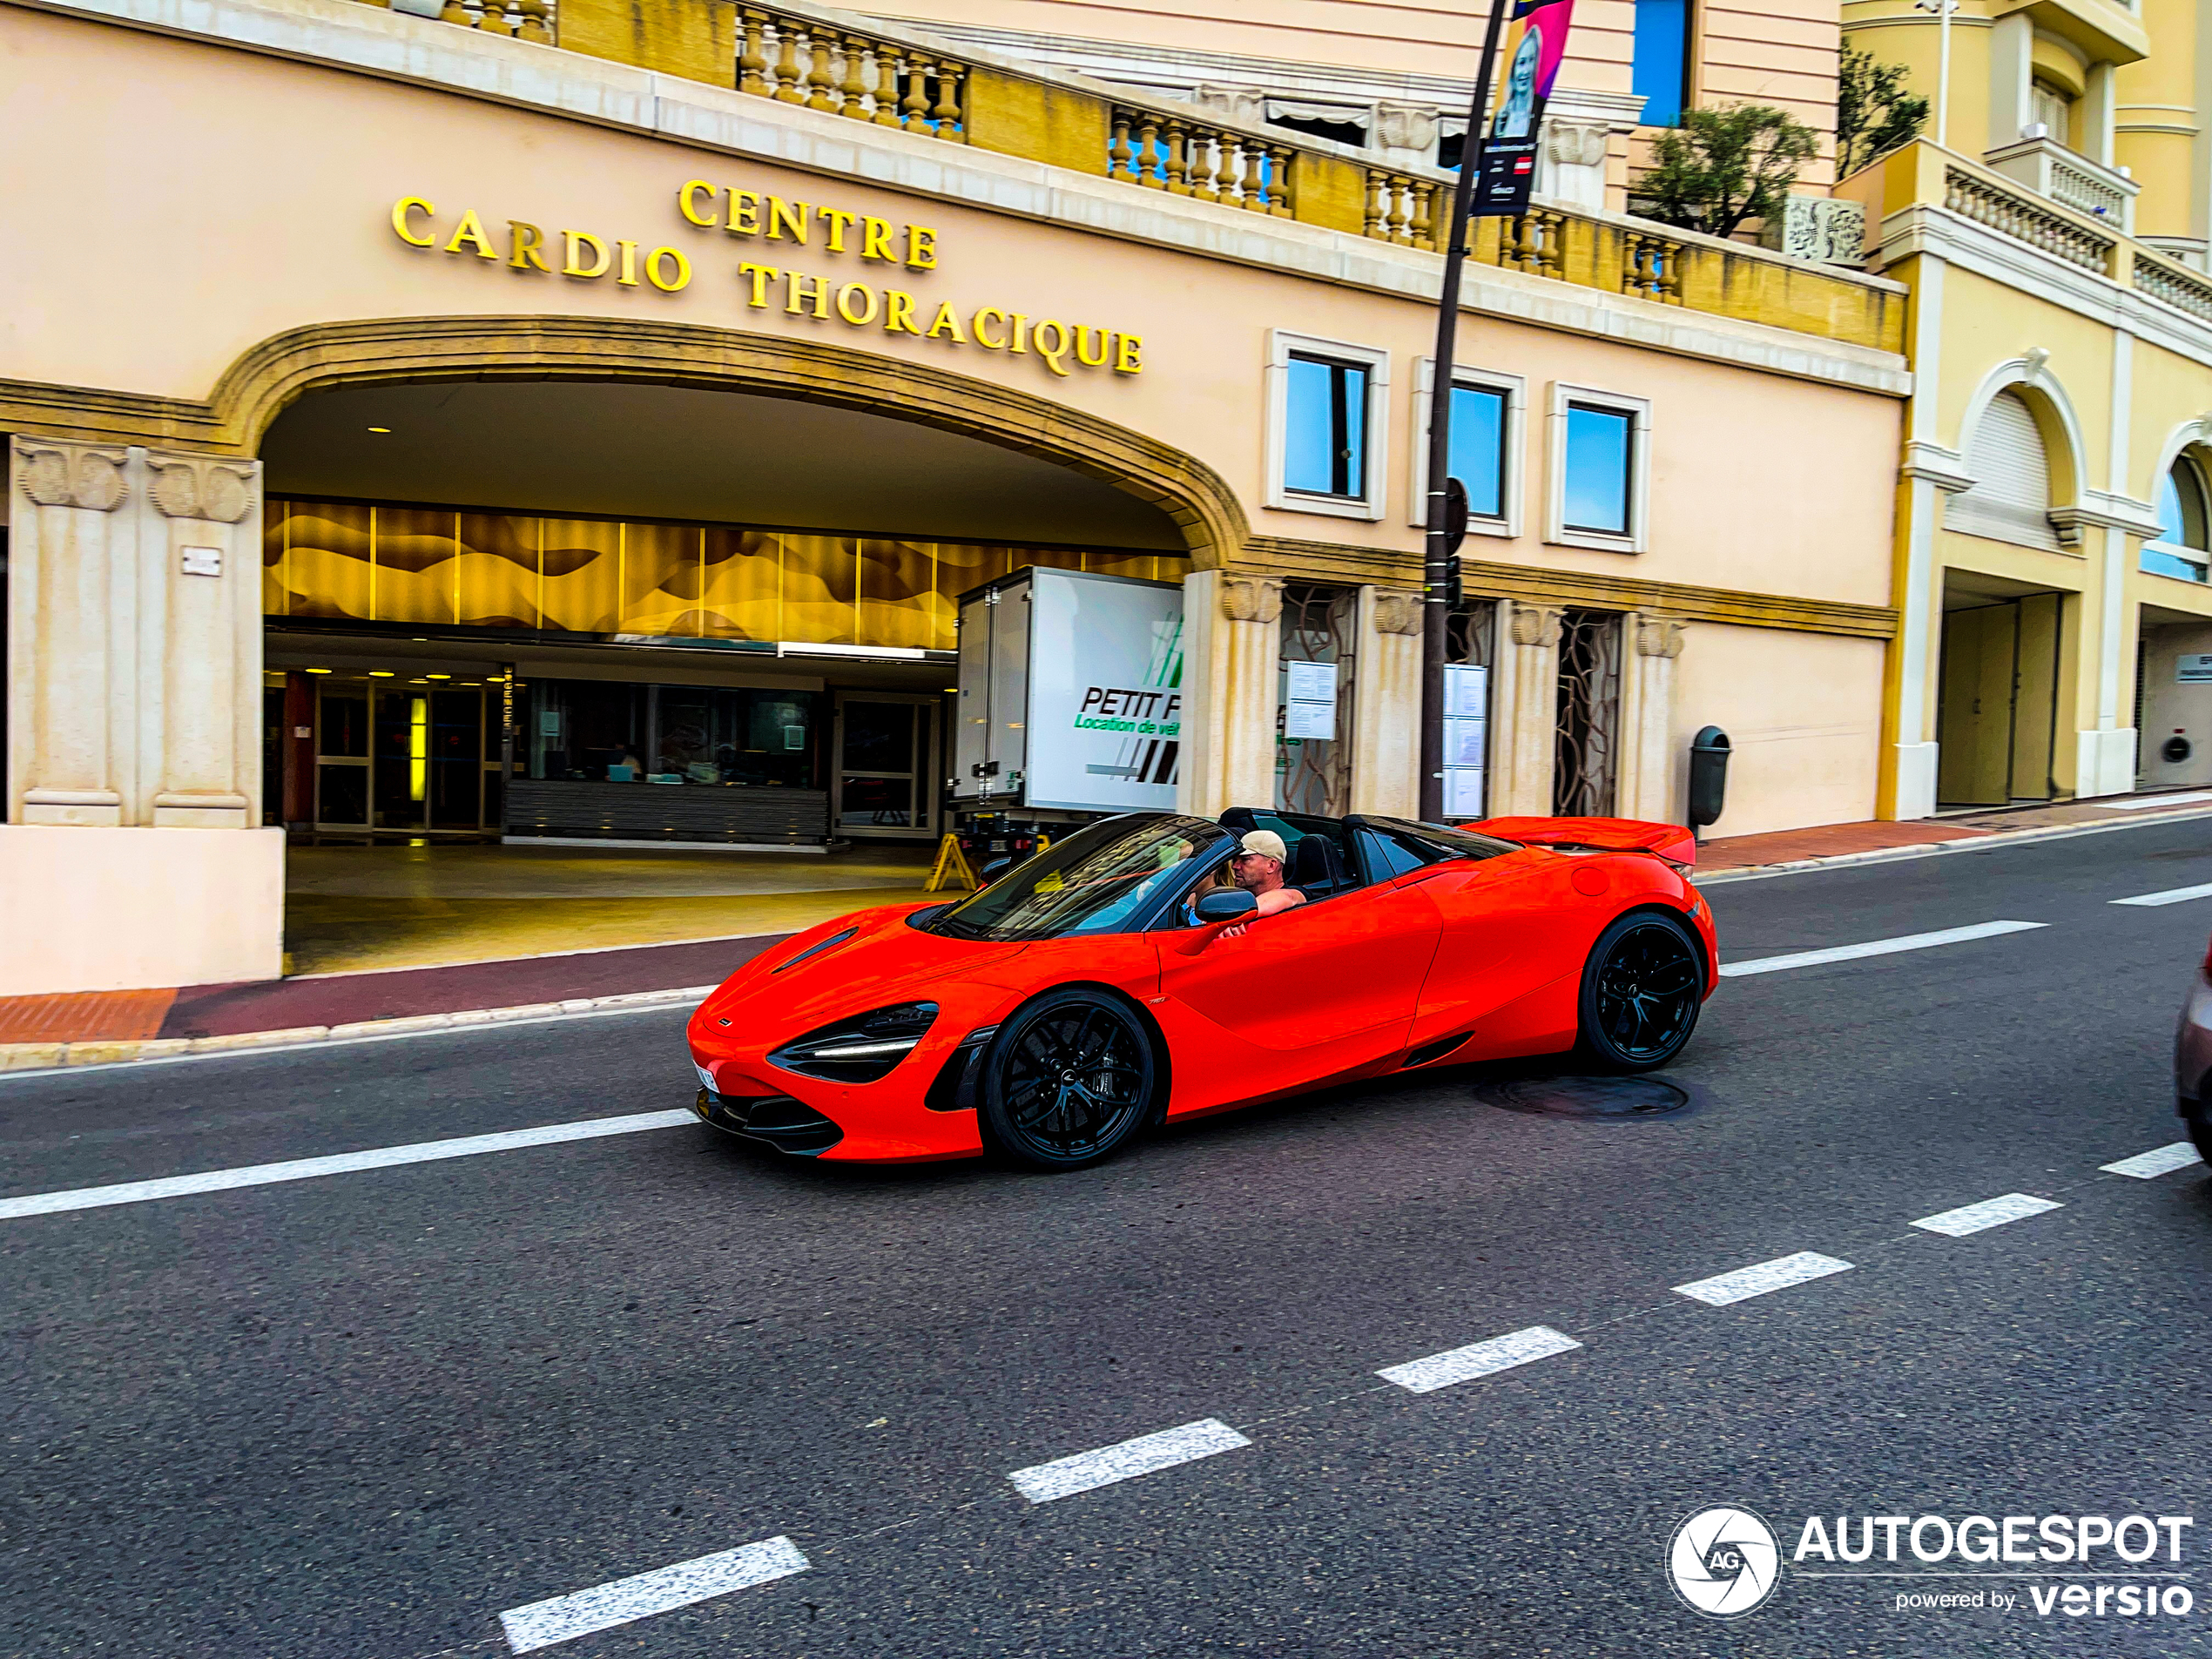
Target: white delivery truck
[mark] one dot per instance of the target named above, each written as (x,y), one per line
(1070,695)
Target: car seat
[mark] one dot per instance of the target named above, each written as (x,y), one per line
(1316,870)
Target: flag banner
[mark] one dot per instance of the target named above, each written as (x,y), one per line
(1508,172)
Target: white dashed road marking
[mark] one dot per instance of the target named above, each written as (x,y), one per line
(262,1175)
(1777,1275)
(1146,1454)
(1479,1360)
(1990,1212)
(2171,895)
(604,1606)
(2147,1166)
(1877,947)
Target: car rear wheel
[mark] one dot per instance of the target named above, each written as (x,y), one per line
(2201,1137)
(1641,989)
(1070,1079)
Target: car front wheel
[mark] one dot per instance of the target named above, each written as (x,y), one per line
(1641,989)
(1069,1078)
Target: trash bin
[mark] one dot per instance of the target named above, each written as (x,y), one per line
(1708,776)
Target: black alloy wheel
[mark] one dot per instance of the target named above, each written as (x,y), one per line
(1069,1078)
(1642,989)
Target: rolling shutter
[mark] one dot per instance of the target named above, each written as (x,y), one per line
(2011,497)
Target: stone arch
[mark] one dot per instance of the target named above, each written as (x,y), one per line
(270,376)
(2030,377)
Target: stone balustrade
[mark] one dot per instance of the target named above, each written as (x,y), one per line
(2178,286)
(891,75)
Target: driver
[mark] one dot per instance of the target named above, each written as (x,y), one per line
(1257,868)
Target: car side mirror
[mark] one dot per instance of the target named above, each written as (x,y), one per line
(1227,907)
(993,870)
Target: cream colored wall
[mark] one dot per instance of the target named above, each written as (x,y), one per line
(1804,714)
(2170,707)
(304,234)
(123,909)
(1778,52)
(2160,131)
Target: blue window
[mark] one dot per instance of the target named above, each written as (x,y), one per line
(1479,448)
(1324,438)
(1661,69)
(1598,469)
(2184,542)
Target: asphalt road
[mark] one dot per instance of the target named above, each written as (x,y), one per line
(366,1414)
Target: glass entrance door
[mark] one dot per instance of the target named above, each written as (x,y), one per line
(341,758)
(884,784)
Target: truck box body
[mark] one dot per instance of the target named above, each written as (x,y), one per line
(1070,694)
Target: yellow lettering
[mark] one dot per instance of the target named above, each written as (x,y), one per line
(921,248)
(837,221)
(1052,354)
(761,275)
(984,340)
(525,244)
(899,311)
(794,215)
(745,213)
(574,267)
(684,199)
(795,294)
(946,323)
(471,231)
(1105,346)
(628,277)
(400,209)
(683,270)
(1128,353)
(1020,334)
(875,239)
(845,310)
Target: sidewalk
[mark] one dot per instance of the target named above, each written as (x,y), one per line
(38,1033)
(1732,856)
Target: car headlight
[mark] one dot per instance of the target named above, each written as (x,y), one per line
(860,1049)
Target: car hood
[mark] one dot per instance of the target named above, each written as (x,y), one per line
(885,961)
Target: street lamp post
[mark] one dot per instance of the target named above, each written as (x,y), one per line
(1437,573)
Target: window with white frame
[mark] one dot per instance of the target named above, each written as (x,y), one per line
(1325,426)
(1485,446)
(2184,546)
(1600,470)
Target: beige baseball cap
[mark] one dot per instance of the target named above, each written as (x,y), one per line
(1266,843)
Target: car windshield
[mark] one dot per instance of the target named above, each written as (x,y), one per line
(1104,879)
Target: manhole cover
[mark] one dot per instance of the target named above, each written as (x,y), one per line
(1586,1096)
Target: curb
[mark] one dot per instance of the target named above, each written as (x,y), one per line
(1931,849)
(17,1058)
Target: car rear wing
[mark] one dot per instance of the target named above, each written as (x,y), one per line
(1668,841)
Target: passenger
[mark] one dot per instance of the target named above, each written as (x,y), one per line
(1257,868)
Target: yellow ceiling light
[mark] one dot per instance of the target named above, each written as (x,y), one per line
(379,673)
(318,671)
(438,677)
(380,428)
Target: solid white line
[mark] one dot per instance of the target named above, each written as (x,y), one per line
(604,1606)
(2144,803)
(1777,1275)
(1877,947)
(1479,1360)
(2149,1166)
(1146,1454)
(2171,895)
(1990,1212)
(261,1175)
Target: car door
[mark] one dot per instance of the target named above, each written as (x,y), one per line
(1298,995)
(1507,963)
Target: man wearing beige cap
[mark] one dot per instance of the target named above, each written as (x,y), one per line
(1257,868)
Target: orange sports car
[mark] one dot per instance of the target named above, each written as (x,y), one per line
(1117,981)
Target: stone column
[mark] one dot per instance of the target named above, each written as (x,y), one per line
(134,665)
(1644,784)
(1528,677)
(1386,712)
(1231,643)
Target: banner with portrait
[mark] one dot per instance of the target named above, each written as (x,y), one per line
(1509,170)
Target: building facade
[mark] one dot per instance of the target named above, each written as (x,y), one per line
(2051,225)
(474,419)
